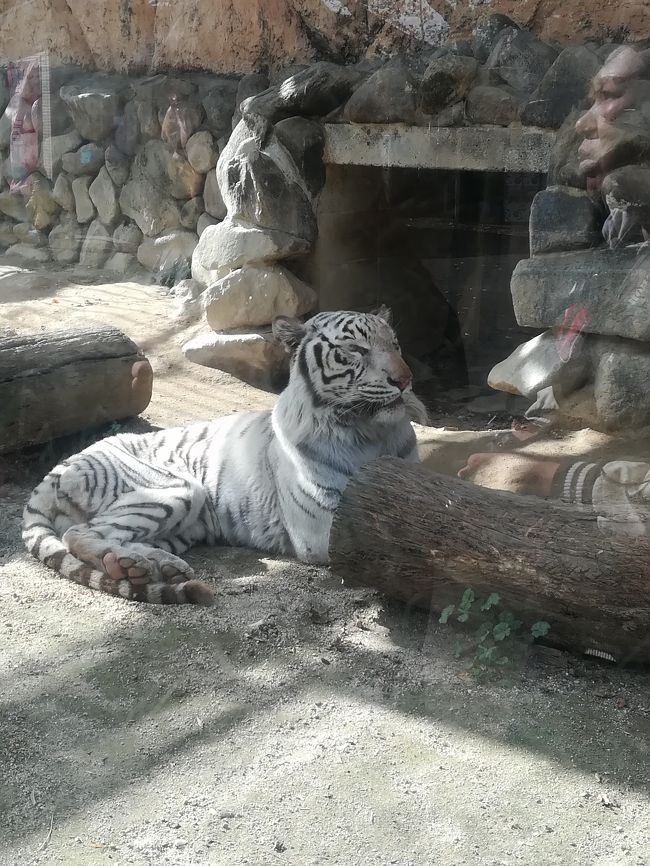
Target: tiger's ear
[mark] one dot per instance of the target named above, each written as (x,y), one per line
(384,313)
(288,331)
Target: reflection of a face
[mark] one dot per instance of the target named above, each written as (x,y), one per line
(616,129)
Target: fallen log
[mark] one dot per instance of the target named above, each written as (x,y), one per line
(59,382)
(423,538)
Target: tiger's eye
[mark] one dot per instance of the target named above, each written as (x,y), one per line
(360,350)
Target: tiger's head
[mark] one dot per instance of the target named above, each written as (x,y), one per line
(351,363)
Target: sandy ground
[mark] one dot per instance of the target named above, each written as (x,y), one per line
(299,721)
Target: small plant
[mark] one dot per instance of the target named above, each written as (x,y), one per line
(499,635)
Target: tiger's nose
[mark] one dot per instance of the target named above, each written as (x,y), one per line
(400,375)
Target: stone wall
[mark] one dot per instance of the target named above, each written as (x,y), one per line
(246,35)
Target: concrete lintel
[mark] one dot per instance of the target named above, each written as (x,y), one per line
(471,148)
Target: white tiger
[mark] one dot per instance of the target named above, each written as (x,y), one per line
(117,515)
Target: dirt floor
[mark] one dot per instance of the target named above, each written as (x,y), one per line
(300,721)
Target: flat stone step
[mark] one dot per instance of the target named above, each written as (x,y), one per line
(469,148)
(612,287)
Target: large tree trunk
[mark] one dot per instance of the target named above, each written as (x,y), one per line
(424,538)
(60,382)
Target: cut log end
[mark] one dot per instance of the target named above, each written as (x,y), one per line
(60,382)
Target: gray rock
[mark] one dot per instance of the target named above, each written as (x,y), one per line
(563,218)
(160,254)
(453,115)
(5,92)
(521,59)
(184,181)
(257,191)
(214,204)
(29,254)
(546,360)
(191,212)
(26,234)
(278,76)
(492,105)
(314,92)
(201,152)
(41,205)
(229,245)
(13,206)
(94,104)
(103,194)
(446,80)
(56,146)
(127,129)
(62,192)
(219,104)
(127,238)
(88,159)
(84,207)
(565,160)
(120,263)
(254,295)
(5,130)
(117,165)
(621,392)
(460,47)
(60,119)
(486,34)
(96,247)
(304,139)
(611,286)
(178,122)
(65,241)
(564,87)
(148,119)
(255,358)
(249,85)
(145,197)
(387,96)
(7,236)
(203,222)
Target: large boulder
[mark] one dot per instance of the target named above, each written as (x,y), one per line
(487,31)
(610,290)
(564,87)
(41,205)
(564,218)
(51,157)
(160,254)
(94,104)
(13,206)
(304,140)
(103,194)
(387,96)
(88,159)
(145,197)
(258,191)
(212,198)
(232,244)
(201,152)
(96,247)
(547,360)
(219,105)
(65,240)
(254,295)
(446,80)
(62,192)
(84,207)
(520,59)
(256,358)
(127,238)
(492,105)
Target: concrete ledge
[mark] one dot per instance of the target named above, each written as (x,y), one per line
(471,148)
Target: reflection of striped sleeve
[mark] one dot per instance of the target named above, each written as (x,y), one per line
(574,481)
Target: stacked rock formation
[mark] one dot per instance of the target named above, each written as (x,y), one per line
(593,365)
(114,173)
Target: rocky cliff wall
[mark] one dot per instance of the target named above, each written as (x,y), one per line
(243,35)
